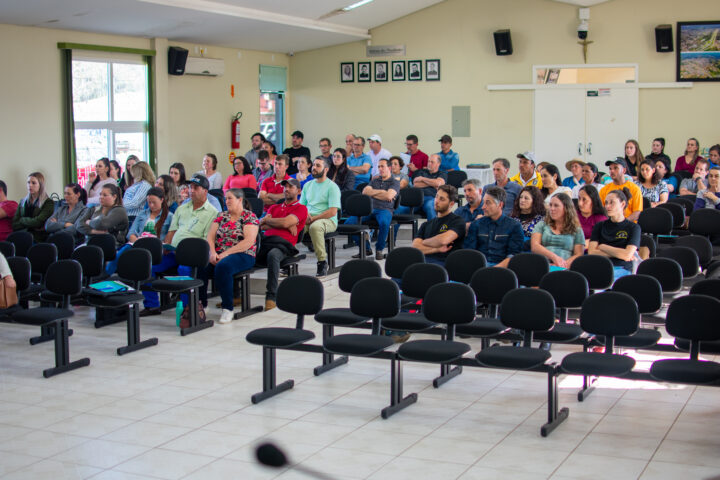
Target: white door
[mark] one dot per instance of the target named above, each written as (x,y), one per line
(611,120)
(559,125)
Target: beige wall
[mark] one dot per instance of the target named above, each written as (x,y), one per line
(459,32)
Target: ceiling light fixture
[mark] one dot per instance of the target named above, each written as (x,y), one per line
(356,5)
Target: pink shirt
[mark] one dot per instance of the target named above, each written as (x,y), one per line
(681,164)
(240,181)
(588,223)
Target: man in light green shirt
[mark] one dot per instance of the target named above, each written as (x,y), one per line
(321,196)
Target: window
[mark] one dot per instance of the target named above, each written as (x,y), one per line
(273,84)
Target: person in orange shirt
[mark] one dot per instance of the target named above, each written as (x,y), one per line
(617,168)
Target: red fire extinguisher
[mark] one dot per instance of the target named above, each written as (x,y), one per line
(235,131)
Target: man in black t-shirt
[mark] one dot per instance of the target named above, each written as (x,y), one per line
(296,151)
(444,233)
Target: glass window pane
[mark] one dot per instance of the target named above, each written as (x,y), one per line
(130,144)
(90,145)
(129,92)
(90,91)
(268,113)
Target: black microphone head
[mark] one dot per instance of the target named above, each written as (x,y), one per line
(270,455)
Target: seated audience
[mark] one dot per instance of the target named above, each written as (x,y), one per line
(177,172)
(552,183)
(65,217)
(633,157)
(154,220)
(134,198)
(232,238)
(209,170)
(417,159)
(449,160)
(589,177)
(339,172)
(251,155)
(559,236)
(115,171)
(658,152)
(214,202)
(265,168)
(472,210)
(690,186)
(634,204)
(108,217)
(127,179)
(714,156)
(96,180)
(445,232)
(325,150)
(575,166)
(500,168)
(710,197)
(271,191)
(662,166)
(303,174)
(282,226)
(616,238)
(428,179)
(167,184)
(396,166)
(651,185)
(529,210)
(269,147)
(242,176)
(590,210)
(34,210)
(7,212)
(686,162)
(295,151)
(359,162)
(527,176)
(376,153)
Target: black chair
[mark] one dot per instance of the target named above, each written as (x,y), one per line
(65,244)
(529,268)
(666,270)
(462,264)
(344,195)
(219,195)
(361,186)
(704,221)
(357,206)
(528,310)
(647,293)
(91,260)
(249,193)
(686,257)
(22,241)
(702,247)
(569,290)
(596,269)
(64,277)
(397,262)
(648,242)
(412,198)
(20,268)
(134,268)
(692,318)
(41,256)
(256,205)
(107,243)
(656,221)
(677,211)
(193,253)
(710,287)
(416,281)
(301,295)
(456,179)
(646,203)
(609,314)
(490,285)
(153,245)
(7,249)
(687,205)
(350,273)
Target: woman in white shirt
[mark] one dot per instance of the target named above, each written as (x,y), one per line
(209,170)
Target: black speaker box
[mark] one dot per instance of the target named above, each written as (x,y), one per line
(663,38)
(503,42)
(177,57)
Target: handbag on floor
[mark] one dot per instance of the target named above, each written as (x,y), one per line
(8,295)
(185,316)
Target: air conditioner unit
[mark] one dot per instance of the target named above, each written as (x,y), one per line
(209,67)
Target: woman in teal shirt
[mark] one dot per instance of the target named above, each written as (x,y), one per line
(559,236)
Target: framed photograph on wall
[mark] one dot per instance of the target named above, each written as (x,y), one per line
(381,73)
(347,72)
(363,71)
(414,70)
(698,51)
(432,70)
(398,71)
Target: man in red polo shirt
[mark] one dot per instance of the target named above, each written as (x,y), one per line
(271,190)
(418,159)
(281,226)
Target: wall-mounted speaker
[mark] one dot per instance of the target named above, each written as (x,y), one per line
(503,42)
(177,57)
(663,38)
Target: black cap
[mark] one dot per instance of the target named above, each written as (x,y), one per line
(298,133)
(291,181)
(445,139)
(200,181)
(619,161)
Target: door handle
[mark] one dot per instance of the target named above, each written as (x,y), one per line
(589,149)
(580,148)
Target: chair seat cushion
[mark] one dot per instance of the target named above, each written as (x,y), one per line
(357,344)
(339,316)
(561,332)
(405,217)
(435,351)
(678,370)
(30,292)
(114,301)
(408,322)
(591,363)
(163,285)
(343,229)
(279,337)
(481,327)
(41,316)
(518,358)
(705,347)
(644,337)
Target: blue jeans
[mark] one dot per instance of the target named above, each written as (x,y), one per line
(152,300)
(620,272)
(383,217)
(223,274)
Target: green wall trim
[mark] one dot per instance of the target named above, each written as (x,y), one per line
(105,48)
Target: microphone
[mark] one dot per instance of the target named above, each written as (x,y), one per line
(270,455)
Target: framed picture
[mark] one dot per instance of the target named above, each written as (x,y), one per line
(347,72)
(552,75)
(398,71)
(363,71)
(414,70)
(698,51)
(381,73)
(432,70)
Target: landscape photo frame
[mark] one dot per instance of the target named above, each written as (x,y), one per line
(698,51)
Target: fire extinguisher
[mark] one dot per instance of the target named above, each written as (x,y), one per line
(235,131)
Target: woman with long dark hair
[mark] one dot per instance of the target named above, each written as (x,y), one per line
(99,178)
(64,218)
(657,151)
(528,209)
(651,184)
(633,157)
(662,166)
(108,217)
(552,183)
(590,210)
(127,179)
(177,172)
(167,184)
(339,171)
(154,220)
(34,210)
(115,171)
(242,176)
(559,236)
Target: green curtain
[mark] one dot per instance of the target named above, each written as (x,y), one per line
(151,111)
(69,159)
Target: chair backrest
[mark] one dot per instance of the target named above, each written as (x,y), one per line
(665,270)
(677,211)
(610,313)
(135,265)
(344,195)
(704,221)
(490,284)
(685,256)
(153,245)
(355,270)
(193,253)
(646,291)
(250,192)
(301,295)
(22,241)
(686,204)
(449,303)
(529,268)
(64,242)
(7,249)
(702,246)
(709,287)
(41,256)
(569,289)
(107,243)
(462,264)
(257,206)
(656,221)
(456,177)
(91,259)
(694,317)
(648,242)
(598,270)
(411,197)
(375,298)
(419,277)
(20,268)
(358,205)
(682,175)
(361,186)
(219,195)
(64,277)
(400,258)
(528,309)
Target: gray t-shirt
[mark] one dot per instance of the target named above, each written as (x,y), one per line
(691,184)
(379,184)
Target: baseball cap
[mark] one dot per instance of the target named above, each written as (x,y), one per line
(298,133)
(529,155)
(618,160)
(291,181)
(574,160)
(445,139)
(375,138)
(200,181)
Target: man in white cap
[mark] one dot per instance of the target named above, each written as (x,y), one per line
(527,176)
(376,153)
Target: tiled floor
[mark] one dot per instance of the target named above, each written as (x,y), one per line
(182,410)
